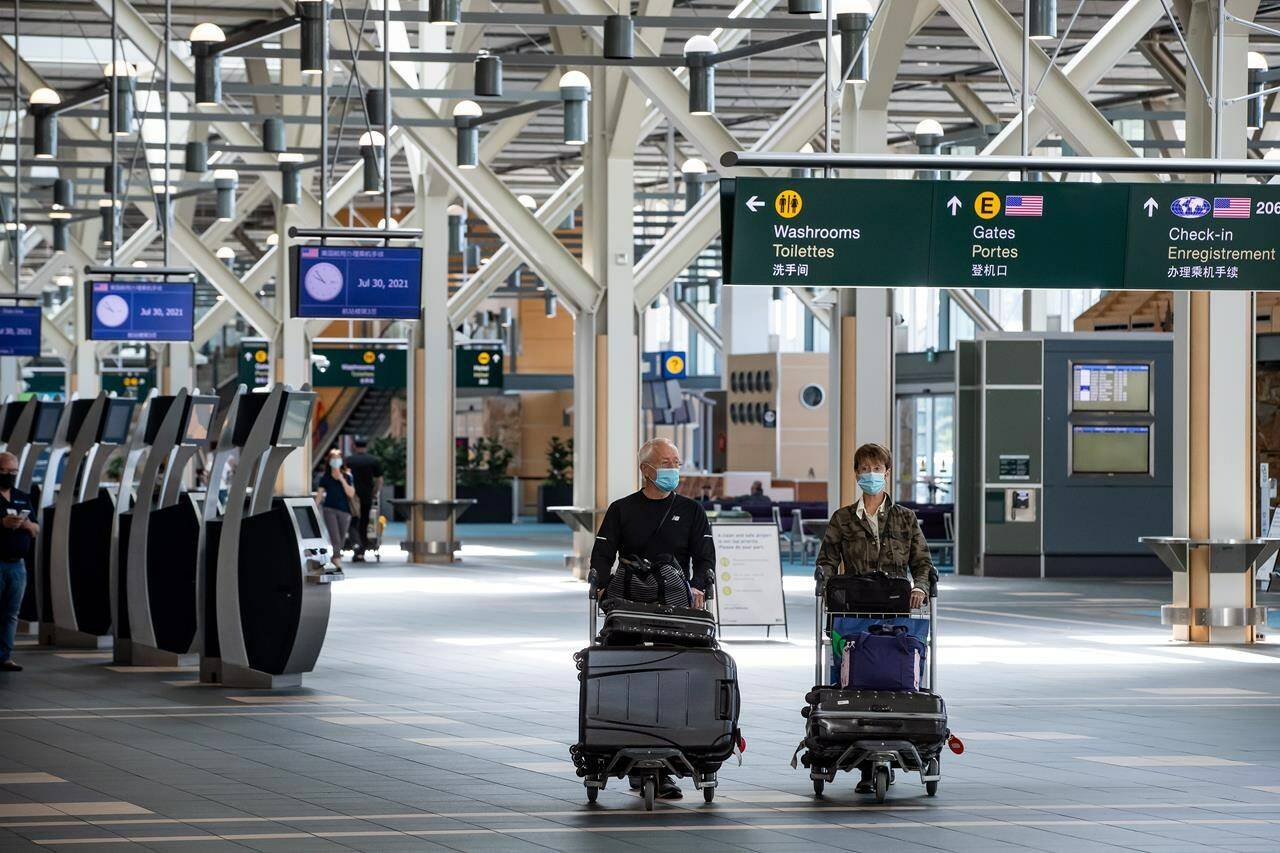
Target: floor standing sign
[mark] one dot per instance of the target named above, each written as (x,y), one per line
(748,576)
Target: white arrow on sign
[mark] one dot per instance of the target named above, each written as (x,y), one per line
(1151,206)
(754,203)
(953,204)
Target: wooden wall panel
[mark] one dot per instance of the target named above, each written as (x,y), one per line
(545,343)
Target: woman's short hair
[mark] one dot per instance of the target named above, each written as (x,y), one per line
(870,454)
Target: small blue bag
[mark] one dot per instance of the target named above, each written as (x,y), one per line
(886,657)
(851,626)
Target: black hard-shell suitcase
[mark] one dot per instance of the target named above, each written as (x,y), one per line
(654,697)
(631,623)
(837,717)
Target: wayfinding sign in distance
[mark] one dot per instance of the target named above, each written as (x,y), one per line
(141,311)
(844,233)
(354,283)
(20,330)
(478,365)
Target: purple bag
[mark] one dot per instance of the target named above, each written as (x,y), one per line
(886,657)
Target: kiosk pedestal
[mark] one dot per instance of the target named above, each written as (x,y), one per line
(1226,607)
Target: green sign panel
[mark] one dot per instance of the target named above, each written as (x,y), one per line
(129,382)
(46,382)
(843,233)
(254,367)
(478,366)
(364,367)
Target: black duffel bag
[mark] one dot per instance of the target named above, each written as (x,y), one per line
(874,592)
(630,623)
(658,581)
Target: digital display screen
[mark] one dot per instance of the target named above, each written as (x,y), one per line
(1110,387)
(1111,449)
(293,429)
(46,426)
(115,424)
(308,526)
(20,330)
(141,311)
(199,421)
(350,282)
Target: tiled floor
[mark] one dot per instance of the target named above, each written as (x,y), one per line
(441,711)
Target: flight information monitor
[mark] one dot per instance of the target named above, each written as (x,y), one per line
(352,282)
(20,330)
(141,311)
(1106,387)
(1108,449)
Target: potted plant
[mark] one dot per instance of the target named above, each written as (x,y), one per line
(557,488)
(390,453)
(482,475)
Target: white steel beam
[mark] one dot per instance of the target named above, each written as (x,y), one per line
(974,107)
(1061,101)
(211,267)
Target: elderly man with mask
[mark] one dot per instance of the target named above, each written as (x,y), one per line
(656,521)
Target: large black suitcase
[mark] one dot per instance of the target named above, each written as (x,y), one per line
(656,697)
(874,592)
(629,623)
(837,717)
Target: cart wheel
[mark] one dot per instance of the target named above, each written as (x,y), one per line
(931,788)
(819,785)
(592,793)
(932,769)
(708,793)
(882,783)
(650,789)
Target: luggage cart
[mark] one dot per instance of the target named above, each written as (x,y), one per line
(648,763)
(885,755)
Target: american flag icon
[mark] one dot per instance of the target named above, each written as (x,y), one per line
(101,287)
(1231,208)
(310,253)
(1024,205)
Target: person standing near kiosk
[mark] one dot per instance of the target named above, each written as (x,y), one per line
(17,532)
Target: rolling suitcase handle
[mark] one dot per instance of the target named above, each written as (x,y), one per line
(728,699)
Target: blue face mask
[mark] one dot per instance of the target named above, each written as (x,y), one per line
(666,478)
(872,483)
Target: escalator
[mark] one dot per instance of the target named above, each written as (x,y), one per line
(354,411)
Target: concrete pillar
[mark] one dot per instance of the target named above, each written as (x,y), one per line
(608,250)
(179,369)
(431,407)
(1215,464)
(83,378)
(745,319)
(861,349)
(585,400)
(291,356)
(1035,311)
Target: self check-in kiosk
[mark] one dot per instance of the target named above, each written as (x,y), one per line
(272,568)
(158,542)
(79,531)
(30,427)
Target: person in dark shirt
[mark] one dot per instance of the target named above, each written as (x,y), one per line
(17,532)
(656,521)
(366,476)
(335,493)
(652,522)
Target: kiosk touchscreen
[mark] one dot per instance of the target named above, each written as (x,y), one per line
(273,566)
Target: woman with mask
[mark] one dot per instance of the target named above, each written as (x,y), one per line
(874,534)
(336,495)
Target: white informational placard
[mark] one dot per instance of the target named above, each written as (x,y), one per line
(748,575)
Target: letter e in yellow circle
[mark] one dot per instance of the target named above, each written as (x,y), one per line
(483,358)
(987,204)
(788,204)
(260,356)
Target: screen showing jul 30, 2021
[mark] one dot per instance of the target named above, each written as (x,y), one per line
(348,282)
(141,311)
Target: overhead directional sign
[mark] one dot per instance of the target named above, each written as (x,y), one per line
(849,233)
(255,363)
(360,367)
(478,365)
